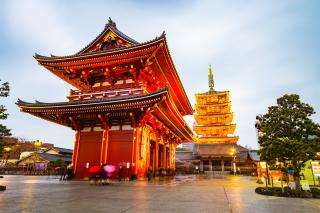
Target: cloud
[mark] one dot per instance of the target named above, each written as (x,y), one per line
(259,51)
(39,23)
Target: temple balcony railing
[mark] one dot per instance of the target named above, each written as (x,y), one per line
(77,95)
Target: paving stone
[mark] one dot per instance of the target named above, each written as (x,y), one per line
(183,194)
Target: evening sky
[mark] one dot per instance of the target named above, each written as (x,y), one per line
(260,50)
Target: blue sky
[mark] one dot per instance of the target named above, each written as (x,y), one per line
(260,50)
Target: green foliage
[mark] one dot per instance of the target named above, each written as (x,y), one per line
(2,145)
(4,89)
(315,192)
(59,162)
(288,132)
(277,191)
(4,131)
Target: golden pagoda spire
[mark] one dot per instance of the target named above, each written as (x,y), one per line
(210,78)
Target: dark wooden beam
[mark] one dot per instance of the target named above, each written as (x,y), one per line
(133,121)
(74,124)
(103,121)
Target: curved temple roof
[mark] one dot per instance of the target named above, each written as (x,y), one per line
(159,100)
(128,52)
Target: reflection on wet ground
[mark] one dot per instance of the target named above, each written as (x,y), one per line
(192,193)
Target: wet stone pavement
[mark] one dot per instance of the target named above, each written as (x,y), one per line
(182,194)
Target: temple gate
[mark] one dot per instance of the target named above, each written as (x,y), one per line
(128,105)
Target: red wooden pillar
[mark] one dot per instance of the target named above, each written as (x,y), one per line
(173,156)
(169,156)
(136,150)
(141,152)
(156,155)
(75,152)
(105,139)
(145,141)
(104,146)
(76,144)
(164,153)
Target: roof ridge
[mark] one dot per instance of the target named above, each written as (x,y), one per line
(110,25)
(38,56)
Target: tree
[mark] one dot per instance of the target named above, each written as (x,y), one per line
(59,162)
(4,131)
(288,134)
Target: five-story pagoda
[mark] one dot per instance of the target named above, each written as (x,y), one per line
(215,142)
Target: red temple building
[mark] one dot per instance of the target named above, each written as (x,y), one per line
(128,106)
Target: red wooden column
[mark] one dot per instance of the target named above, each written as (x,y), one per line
(104,146)
(164,154)
(75,152)
(156,155)
(173,156)
(134,151)
(136,155)
(147,151)
(170,157)
(105,139)
(76,145)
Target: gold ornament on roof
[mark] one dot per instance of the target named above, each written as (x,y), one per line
(210,78)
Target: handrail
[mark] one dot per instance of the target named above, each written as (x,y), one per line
(77,95)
